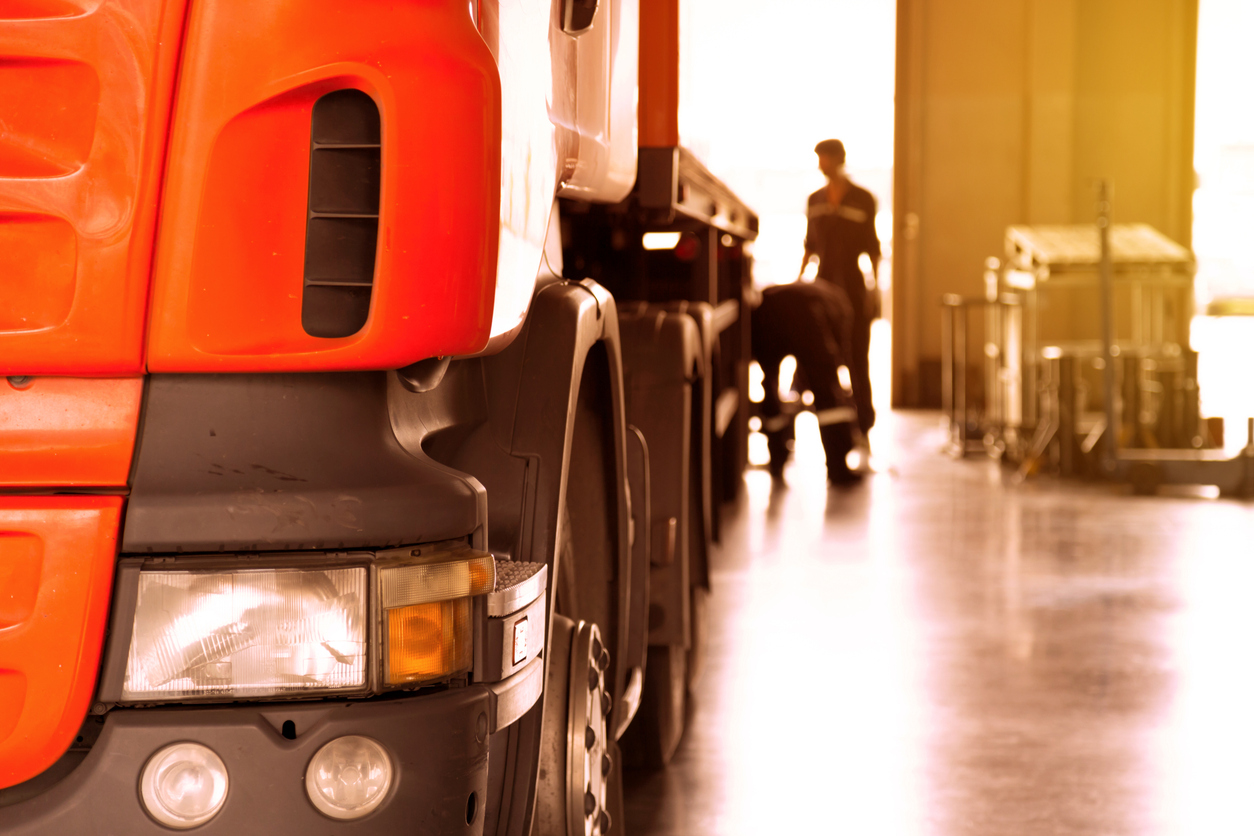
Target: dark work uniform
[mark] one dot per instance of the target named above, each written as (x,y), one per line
(839,235)
(812,323)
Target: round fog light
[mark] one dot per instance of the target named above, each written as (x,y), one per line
(348,777)
(183,785)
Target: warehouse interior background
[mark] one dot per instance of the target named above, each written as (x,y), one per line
(963,654)
(996,114)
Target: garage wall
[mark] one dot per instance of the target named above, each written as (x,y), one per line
(1007,112)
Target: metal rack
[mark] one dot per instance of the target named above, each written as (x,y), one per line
(985,430)
(1105,341)
(1086,360)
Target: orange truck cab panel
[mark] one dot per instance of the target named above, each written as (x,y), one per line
(231,274)
(68,432)
(56,569)
(57,555)
(79,181)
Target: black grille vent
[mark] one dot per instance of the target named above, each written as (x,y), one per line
(342,230)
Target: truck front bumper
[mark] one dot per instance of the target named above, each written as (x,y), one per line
(438,745)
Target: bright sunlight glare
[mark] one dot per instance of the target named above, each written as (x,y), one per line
(804,71)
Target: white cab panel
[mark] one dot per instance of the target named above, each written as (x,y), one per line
(597,136)
(528,155)
(568,128)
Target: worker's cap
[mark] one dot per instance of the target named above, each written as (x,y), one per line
(833,148)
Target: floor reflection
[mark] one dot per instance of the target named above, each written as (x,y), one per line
(808,710)
(935,652)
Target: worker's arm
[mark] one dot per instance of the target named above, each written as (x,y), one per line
(873,252)
(872,245)
(811,251)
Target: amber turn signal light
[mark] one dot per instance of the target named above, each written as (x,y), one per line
(429,641)
(429,633)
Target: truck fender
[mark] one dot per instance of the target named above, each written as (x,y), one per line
(533,393)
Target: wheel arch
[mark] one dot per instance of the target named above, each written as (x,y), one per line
(568,346)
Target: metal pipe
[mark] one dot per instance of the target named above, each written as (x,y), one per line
(1106,280)
(947,362)
(960,345)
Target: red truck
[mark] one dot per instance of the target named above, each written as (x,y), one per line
(358,461)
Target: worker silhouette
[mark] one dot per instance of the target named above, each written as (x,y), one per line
(840,227)
(811,322)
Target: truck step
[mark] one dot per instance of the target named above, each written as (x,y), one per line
(518,583)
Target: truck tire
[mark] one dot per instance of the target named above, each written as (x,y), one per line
(577,767)
(579,783)
(699,619)
(672,670)
(670,678)
(653,737)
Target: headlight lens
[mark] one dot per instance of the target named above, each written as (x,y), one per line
(183,785)
(348,777)
(247,632)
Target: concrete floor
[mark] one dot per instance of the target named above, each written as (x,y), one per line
(937,652)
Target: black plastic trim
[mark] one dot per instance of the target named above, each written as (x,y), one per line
(438,744)
(267,462)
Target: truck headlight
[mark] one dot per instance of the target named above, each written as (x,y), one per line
(248,632)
